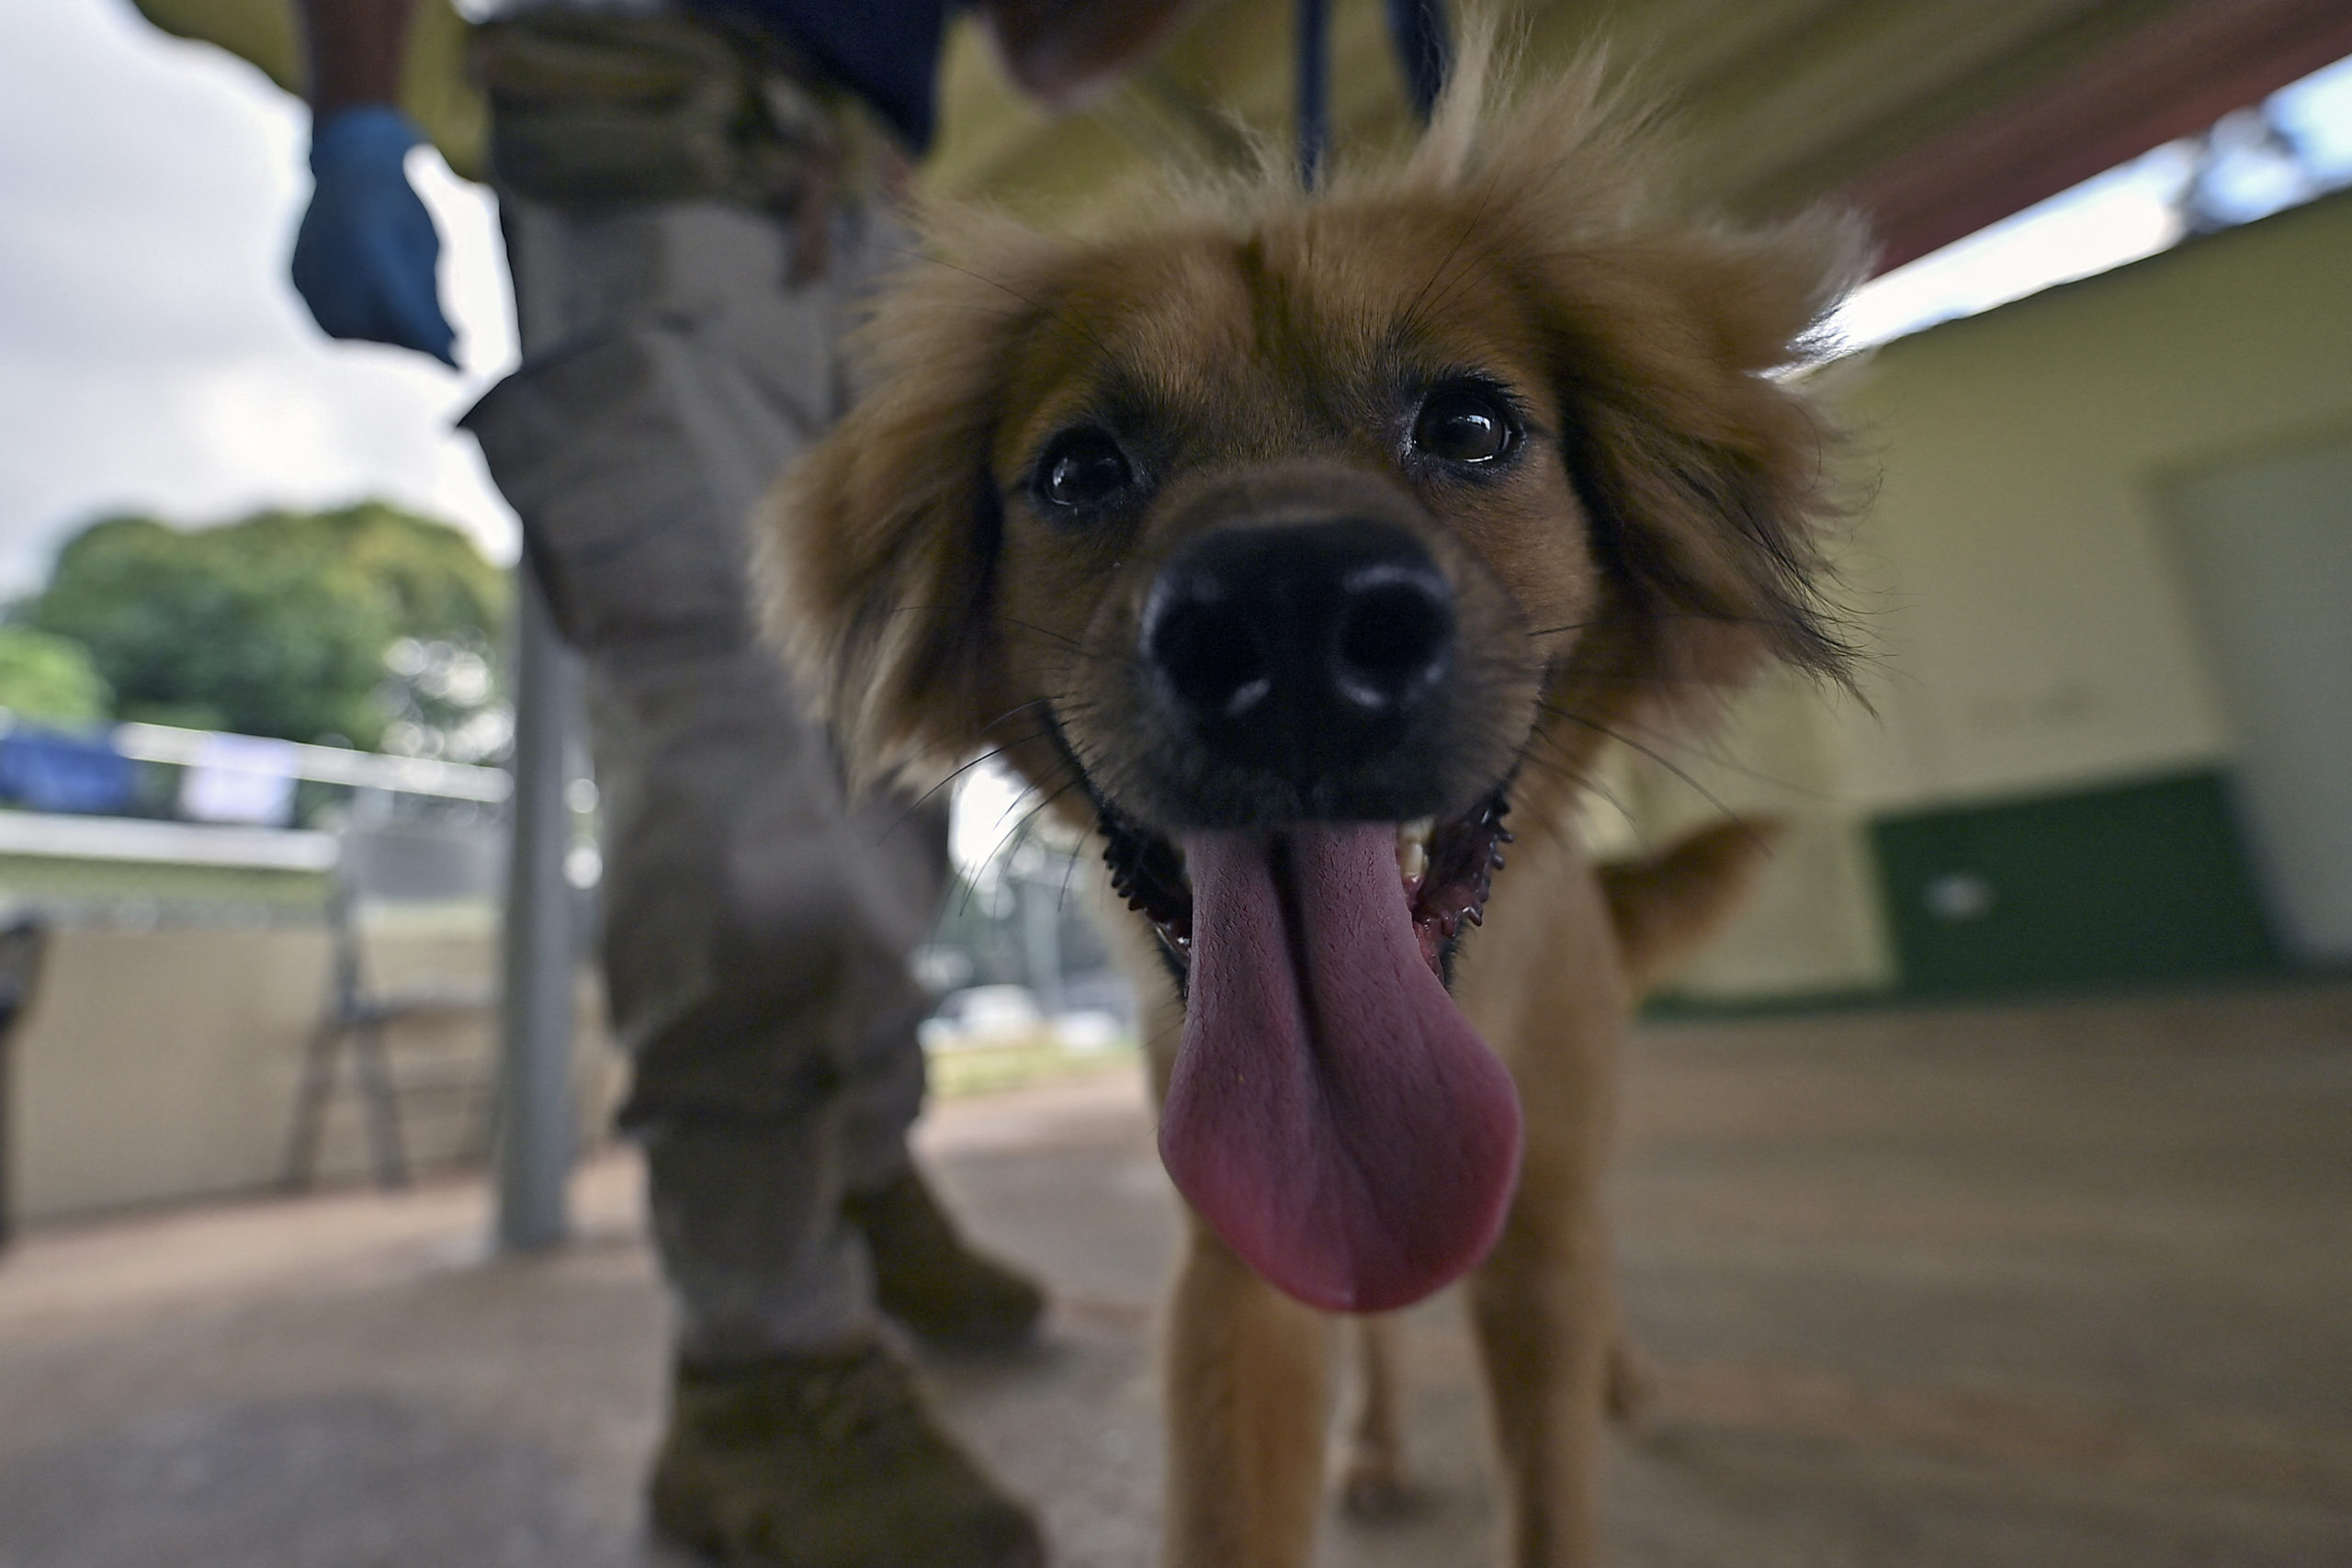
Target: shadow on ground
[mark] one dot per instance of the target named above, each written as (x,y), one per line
(2050,1287)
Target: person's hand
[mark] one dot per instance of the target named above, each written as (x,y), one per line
(1065,54)
(364,258)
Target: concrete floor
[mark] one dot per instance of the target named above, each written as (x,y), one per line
(2067,1285)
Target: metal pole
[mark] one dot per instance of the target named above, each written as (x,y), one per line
(535,1131)
(22,944)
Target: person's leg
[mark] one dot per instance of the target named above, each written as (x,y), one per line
(756,933)
(926,1277)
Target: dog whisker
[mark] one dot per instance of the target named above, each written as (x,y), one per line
(1716,758)
(1062,638)
(1581,779)
(1662,761)
(1648,617)
(1011,838)
(915,805)
(1069,872)
(1059,638)
(1045,702)
(1015,835)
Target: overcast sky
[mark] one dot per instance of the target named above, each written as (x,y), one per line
(152,357)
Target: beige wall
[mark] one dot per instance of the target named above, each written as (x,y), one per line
(2026,627)
(161,1064)
(2035,632)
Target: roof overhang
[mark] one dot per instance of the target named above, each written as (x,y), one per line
(1936,118)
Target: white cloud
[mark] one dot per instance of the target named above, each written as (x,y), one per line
(152,357)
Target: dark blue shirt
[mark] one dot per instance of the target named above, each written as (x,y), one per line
(884,50)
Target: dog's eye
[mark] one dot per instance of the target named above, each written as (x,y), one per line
(1464,425)
(1082,469)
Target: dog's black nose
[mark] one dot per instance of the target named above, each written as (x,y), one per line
(1303,648)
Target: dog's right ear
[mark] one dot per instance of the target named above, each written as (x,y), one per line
(879,547)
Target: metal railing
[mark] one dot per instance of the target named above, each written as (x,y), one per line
(323,764)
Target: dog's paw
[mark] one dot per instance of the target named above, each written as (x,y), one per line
(1630,1398)
(1373,1488)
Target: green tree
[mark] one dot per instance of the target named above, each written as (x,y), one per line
(51,680)
(275,625)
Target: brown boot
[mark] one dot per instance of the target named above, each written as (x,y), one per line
(926,1277)
(826,1461)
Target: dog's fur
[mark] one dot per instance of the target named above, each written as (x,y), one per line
(1653,539)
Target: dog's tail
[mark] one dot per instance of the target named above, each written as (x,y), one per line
(1664,905)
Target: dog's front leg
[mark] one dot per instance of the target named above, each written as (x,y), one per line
(1373,1483)
(1245,1417)
(1545,990)
(1541,1304)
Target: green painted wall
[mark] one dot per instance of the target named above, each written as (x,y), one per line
(2146,881)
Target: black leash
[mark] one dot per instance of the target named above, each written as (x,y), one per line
(1424,49)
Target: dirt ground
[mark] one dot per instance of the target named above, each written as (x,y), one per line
(2068,1284)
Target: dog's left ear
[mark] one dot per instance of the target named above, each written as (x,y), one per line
(1706,467)
(879,548)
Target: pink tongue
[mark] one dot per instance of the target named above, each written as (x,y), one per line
(1332,1114)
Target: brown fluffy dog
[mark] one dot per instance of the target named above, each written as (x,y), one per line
(1287,542)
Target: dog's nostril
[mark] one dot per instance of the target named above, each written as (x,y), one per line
(1209,656)
(1393,637)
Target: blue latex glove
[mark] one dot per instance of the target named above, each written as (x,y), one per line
(364,257)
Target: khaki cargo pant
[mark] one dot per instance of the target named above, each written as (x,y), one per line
(756,928)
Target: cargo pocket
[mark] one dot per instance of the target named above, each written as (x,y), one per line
(621,524)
